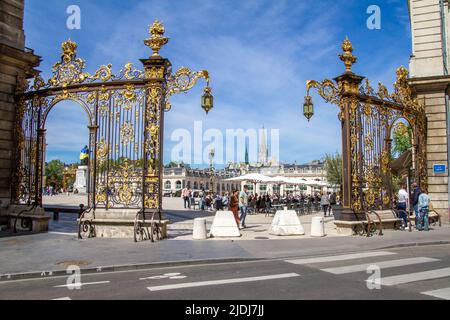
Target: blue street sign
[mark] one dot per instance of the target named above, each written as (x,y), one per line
(439,168)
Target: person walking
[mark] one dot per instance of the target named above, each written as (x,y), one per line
(325,203)
(415,199)
(234,206)
(402,205)
(333,201)
(191,198)
(243,204)
(185,196)
(225,201)
(423,206)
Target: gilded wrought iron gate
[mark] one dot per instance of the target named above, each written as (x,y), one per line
(126,116)
(368,116)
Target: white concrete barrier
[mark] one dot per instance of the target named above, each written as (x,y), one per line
(200,232)
(286,223)
(317,227)
(224,225)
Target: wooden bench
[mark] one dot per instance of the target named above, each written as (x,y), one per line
(374,221)
(433,218)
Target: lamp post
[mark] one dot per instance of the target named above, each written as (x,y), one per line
(212,153)
(340,92)
(161,84)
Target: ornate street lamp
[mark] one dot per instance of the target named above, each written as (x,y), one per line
(308,107)
(207,98)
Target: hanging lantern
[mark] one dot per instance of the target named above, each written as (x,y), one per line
(207,100)
(308,108)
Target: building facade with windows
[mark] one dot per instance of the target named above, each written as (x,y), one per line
(176,178)
(430,79)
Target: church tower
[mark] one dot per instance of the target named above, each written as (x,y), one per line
(263,151)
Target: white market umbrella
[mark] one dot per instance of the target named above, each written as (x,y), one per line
(253,178)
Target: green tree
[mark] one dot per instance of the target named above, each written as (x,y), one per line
(402,139)
(333,168)
(54,173)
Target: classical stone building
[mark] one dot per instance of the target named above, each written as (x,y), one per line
(429,72)
(176,178)
(17,63)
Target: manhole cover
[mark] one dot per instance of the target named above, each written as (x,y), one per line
(261,238)
(68,263)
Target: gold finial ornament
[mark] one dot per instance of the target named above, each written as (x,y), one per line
(69,49)
(348,58)
(157,39)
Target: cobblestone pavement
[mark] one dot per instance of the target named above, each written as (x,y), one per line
(182,220)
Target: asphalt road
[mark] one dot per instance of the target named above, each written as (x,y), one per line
(416,273)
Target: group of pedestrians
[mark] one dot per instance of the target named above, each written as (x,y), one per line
(237,202)
(420,203)
(327,201)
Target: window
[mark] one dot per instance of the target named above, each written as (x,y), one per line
(178,185)
(168,185)
(195,185)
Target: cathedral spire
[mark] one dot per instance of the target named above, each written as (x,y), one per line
(246,154)
(263,151)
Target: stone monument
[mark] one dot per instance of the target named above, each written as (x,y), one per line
(82,172)
(81,180)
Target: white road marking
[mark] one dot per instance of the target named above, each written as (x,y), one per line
(62,233)
(341,257)
(441,293)
(170,276)
(414,277)
(382,264)
(154,278)
(81,284)
(220,282)
(65,298)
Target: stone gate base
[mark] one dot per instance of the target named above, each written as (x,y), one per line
(25,218)
(119,223)
(348,223)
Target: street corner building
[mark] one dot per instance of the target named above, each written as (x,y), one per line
(430,80)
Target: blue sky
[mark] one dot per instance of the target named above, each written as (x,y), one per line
(259,53)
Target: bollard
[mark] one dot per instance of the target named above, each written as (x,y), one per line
(200,232)
(317,227)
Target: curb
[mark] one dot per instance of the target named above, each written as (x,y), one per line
(39,275)
(417,244)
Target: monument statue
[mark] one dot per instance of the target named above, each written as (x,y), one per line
(84,156)
(80,184)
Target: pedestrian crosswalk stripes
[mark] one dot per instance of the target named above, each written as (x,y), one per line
(222,282)
(351,256)
(441,293)
(425,263)
(382,265)
(414,277)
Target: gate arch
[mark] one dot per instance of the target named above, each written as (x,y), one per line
(77,101)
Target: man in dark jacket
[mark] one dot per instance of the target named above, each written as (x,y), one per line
(415,198)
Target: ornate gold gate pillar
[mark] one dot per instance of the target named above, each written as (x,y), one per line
(349,84)
(156,71)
